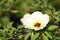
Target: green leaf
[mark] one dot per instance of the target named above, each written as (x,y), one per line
(0,11)
(0,24)
(5,20)
(20,26)
(48,35)
(57,18)
(9,25)
(11,1)
(44,37)
(58,38)
(27,36)
(57,13)
(20,36)
(3,38)
(52,27)
(35,36)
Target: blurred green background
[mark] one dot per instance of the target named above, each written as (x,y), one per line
(12,10)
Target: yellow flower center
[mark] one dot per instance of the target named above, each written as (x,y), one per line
(37,25)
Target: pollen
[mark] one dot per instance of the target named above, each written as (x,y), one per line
(37,25)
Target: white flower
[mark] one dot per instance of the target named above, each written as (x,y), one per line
(35,21)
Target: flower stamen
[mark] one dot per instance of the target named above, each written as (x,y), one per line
(37,25)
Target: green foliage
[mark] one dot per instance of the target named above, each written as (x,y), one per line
(27,36)
(35,36)
(48,35)
(12,10)
(20,26)
(52,27)
(44,37)
(4,20)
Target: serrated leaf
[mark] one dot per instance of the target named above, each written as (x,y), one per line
(52,27)
(44,37)
(27,36)
(48,35)
(35,36)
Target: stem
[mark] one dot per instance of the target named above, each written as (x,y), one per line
(32,35)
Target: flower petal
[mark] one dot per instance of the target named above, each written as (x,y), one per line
(45,19)
(27,20)
(27,15)
(37,14)
(36,28)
